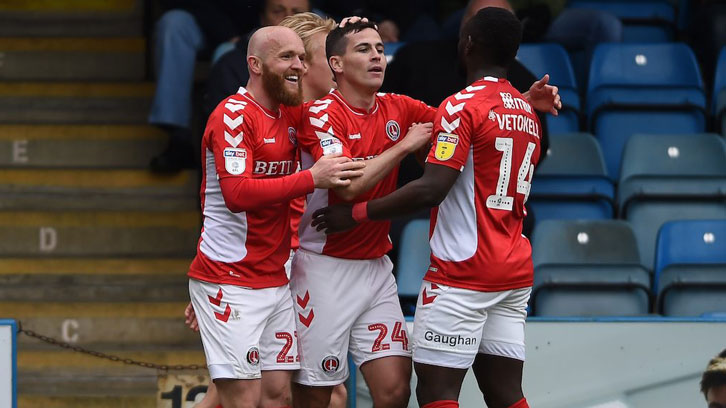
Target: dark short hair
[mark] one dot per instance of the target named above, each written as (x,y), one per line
(715,374)
(336,42)
(496,34)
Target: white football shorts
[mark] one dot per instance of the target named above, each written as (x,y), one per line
(342,306)
(453,324)
(245,331)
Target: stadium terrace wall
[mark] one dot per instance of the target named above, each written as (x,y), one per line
(607,363)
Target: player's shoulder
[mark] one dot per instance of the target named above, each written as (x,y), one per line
(233,106)
(393,98)
(324,107)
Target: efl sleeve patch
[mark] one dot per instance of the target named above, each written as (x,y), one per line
(446,145)
(235,160)
(331,146)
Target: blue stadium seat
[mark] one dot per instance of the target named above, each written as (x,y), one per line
(413,262)
(571,181)
(391,48)
(643,88)
(643,20)
(678,167)
(588,268)
(719,92)
(552,59)
(647,217)
(690,268)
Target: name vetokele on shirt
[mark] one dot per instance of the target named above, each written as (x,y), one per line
(514,122)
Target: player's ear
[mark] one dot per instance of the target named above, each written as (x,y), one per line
(468,45)
(336,64)
(254,64)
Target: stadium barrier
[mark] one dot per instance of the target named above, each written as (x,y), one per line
(8,364)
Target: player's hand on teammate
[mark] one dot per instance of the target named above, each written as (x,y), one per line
(544,97)
(333,219)
(418,135)
(353,20)
(335,171)
(190,318)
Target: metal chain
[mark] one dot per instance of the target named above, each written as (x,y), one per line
(161,367)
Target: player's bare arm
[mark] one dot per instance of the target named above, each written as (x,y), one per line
(419,134)
(544,97)
(426,192)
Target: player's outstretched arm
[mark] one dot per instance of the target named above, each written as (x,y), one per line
(426,192)
(419,134)
(245,193)
(544,97)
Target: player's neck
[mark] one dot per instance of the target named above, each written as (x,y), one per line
(311,94)
(257,92)
(361,98)
(474,74)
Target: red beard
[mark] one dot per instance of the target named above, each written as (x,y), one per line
(274,85)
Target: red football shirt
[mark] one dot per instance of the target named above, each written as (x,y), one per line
(243,140)
(332,126)
(492,135)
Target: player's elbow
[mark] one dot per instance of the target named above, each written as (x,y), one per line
(347,193)
(232,204)
(429,194)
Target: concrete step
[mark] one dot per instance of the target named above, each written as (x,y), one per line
(93,267)
(69,373)
(101,234)
(113,332)
(71,18)
(108,401)
(85,288)
(91,189)
(80,146)
(72,59)
(101,310)
(68,102)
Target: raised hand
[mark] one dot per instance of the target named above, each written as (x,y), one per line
(544,97)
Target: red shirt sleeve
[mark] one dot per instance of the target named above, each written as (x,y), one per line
(233,137)
(451,137)
(418,112)
(322,132)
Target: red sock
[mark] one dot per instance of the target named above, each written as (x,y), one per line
(219,406)
(442,404)
(520,404)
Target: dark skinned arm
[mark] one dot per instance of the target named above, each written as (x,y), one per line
(425,192)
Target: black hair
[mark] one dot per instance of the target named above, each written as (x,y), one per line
(714,376)
(336,42)
(495,33)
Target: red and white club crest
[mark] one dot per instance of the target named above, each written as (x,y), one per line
(393,130)
(292,135)
(330,364)
(253,356)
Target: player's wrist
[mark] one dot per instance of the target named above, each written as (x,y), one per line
(360,212)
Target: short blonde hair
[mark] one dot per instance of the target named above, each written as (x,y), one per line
(306,25)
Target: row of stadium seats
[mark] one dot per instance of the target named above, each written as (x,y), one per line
(632,88)
(595,268)
(571,180)
(591,268)
(643,20)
